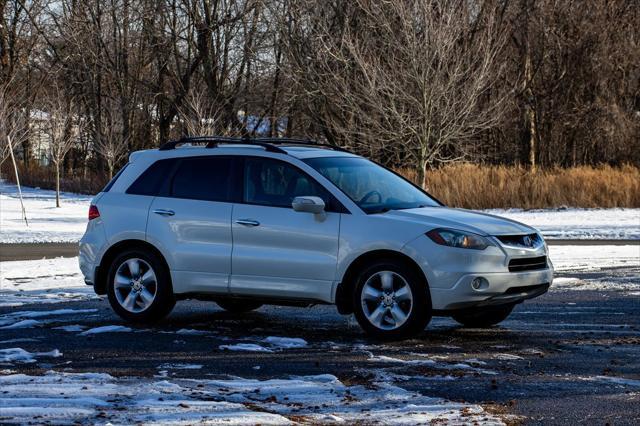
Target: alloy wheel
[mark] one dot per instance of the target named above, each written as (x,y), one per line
(135,285)
(387,300)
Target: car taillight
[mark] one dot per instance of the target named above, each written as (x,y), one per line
(94,213)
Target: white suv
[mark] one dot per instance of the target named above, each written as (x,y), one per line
(246,222)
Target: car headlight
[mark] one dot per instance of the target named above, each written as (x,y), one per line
(460,239)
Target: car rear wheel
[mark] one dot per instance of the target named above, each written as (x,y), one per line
(483,317)
(139,287)
(391,300)
(238,306)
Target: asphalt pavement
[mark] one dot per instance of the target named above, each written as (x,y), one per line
(568,357)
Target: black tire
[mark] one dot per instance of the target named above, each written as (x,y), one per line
(238,306)
(418,315)
(163,301)
(483,317)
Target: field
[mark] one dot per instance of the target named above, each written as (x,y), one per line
(489,187)
(461,185)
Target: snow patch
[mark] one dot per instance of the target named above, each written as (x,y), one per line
(22,356)
(90,397)
(73,328)
(42,281)
(574,223)
(285,342)
(247,347)
(55,312)
(593,258)
(22,324)
(507,357)
(191,332)
(106,329)
(46,222)
(179,366)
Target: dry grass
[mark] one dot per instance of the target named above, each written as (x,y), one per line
(481,187)
(44,177)
(460,185)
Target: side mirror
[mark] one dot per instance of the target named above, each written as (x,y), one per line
(308,204)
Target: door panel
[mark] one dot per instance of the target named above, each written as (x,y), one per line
(191,224)
(197,241)
(277,251)
(289,254)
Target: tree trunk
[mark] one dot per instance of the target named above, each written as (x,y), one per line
(422,169)
(15,169)
(57,166)
(531,118)
(530,110)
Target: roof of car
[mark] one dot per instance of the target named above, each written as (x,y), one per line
(212,145)
(313,152)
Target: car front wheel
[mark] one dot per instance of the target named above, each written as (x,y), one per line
(483,317)
(139,287)
(391,300)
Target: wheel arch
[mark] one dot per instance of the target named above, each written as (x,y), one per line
(100,285)
(343,296)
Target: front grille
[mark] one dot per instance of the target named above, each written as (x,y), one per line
(528,264)
(527,241)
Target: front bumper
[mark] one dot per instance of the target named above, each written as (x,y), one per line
(503,288)
(451,271)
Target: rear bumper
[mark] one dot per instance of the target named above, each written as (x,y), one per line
(91,248)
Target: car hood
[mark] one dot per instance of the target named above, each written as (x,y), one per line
(466,220)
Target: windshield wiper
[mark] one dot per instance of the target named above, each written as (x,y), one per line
(378,210)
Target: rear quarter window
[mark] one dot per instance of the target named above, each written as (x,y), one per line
(150,182)
(114,179)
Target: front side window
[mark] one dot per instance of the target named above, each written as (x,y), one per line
(203,178)
(276,183)
(372,187)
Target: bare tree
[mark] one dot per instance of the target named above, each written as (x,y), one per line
(111,145)
(199,116)
(400,75)
(62,126)
(13,130)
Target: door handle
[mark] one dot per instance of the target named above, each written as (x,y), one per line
(163,212)
(247,222)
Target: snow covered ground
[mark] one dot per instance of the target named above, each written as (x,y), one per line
(60,397)
(42,281)
(46,222)
(590,258)
(67,223)
(579,223)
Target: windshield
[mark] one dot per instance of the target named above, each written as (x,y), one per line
(372,187)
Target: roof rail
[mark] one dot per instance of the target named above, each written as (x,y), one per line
(269,144)
(301,142)
(214,141)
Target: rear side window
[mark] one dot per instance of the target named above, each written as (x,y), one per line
(203,178)
(114,179)
(150,182)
